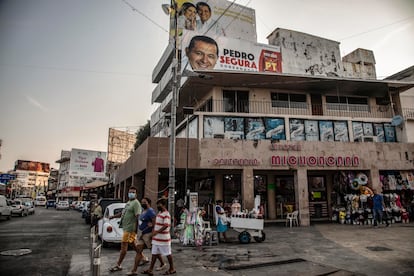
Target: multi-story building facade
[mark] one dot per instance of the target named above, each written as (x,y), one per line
(31,178)
(301,135)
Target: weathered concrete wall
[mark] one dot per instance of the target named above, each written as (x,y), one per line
(307,54)
(359,64)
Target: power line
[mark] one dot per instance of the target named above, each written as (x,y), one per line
(234,18)
(218,19)
(376,29)
(144,15)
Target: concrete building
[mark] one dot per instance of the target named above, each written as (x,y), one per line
(301,137)
(407,101)
(31,178)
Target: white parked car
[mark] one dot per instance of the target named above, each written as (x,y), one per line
(62,205)
(19,208)
(108,229)
(5,207)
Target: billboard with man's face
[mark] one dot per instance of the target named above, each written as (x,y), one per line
(201,52)
(215,18)
(87,163)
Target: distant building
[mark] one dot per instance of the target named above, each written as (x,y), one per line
(31,178)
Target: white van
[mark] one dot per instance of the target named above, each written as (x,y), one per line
(5,207)
(40,201)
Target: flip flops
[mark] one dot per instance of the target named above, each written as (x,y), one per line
(115,268)
(161,267)
(148,272)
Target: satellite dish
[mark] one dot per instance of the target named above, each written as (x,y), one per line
(397,120)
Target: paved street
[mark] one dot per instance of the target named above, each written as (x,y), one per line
(59,241)
(324,249)
(51,236)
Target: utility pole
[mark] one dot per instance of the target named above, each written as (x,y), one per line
(176,84)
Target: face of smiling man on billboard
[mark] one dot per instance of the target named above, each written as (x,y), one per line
(202,53)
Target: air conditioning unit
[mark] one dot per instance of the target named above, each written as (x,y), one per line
(369,139)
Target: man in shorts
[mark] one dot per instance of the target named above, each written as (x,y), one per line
(129,221)
(161,238)
(146,225)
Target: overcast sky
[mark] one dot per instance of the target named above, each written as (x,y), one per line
(71,69)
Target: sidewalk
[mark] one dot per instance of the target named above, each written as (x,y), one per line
(322,249)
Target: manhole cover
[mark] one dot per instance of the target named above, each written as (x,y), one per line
(379,248)
(16,252)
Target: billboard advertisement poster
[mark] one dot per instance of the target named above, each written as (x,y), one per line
(341,131)
(311,130)
(379,132)
(275,128)
(214,18)
(326,131)
(213,126)
(255,129)
(297,130)
(233,128)
(368,129)
(32,166)
(358,130)
(389,133)
(87,163)
(202,52)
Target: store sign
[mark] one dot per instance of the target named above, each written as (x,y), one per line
(315,161)
(285,147)
(236,162)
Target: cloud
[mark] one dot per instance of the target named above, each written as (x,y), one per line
(36,104)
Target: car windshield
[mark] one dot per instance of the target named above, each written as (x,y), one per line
(17,202)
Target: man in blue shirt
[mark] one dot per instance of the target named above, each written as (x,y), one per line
(378,207)
(146,222)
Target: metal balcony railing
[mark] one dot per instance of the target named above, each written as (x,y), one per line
(299,108)
(408,113)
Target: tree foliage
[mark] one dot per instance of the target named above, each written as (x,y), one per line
(142,134)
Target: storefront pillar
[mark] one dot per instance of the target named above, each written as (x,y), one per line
(301,195)
(271,199)
(248,189)
(151,183)
(218,188)
(375,180)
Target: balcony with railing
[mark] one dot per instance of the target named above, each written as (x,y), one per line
(408,113)
(298,109)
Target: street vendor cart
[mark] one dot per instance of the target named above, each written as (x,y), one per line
(248,227)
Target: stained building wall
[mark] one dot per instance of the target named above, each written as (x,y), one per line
(307,54)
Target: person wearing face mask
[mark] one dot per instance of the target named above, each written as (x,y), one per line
(145,226)
(129,221)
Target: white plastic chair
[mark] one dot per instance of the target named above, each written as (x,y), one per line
(292,218)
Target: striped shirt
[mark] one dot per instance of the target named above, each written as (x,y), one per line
(163,238)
